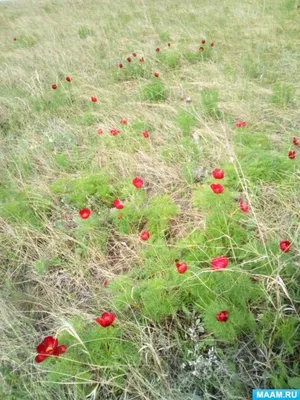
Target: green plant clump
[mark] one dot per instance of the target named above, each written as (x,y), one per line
(155,90)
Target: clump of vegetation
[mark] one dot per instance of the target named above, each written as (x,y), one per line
(210,100)
(79,190)
(170,59)
(24,41)
(84,31)
(164,37)
(127,71)
(147,253)
(23,206)
(283,93)
(186,120)
(203,53)
(155,90)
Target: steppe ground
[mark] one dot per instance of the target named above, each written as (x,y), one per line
(53,162)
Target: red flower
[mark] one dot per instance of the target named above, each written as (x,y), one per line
(114,132)
(240,124)
(217,188)
(222,316)
(156,74)
(145,235)
(218,173)
(296,141)
(54,86)
(106,319)
(84,213)
(134,54)
(99,131)
(142,59)
(169,44)
(138,182)
(123,121)
(94,99)
(212,44)
(128,59)
(145,134)
(219,262)
(244,206)
(14,38)
(203,41)
(105,283)
(49,347)
(285,246)
(120,65)
(68,79)
(120,216)
(157,50)
(181,267)
(118,204)
(201,48)
(292,155)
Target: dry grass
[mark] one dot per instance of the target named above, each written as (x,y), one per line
(256,45)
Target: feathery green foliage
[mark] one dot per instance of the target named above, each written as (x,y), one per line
(59,271)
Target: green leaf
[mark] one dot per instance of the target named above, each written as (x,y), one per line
(294,383)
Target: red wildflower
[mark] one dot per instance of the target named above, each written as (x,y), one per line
(145,134)
(217,188)
(145,235)
(128,59)
(181,267)
(120,65)
(134,54)
(244,206)
(99,131)
(201,48)
(142,59)
(218,173)
(219,262)
(84,213)
(157,50)
(114,132)
(240,124)
(156,74)
(296,141)
(118,204)
(106,319)
(212,44)
(54,86)
(94,99)
(105,283)
(203,41)
(68,79)
(124,121)
(222,316)
(49,347)
(285,246)
(169,44)
(14,38)
(138,182)
(292,155)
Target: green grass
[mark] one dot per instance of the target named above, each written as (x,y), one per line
(166,343)
(186,121)
(282,94)
(154,90)
(84,31)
